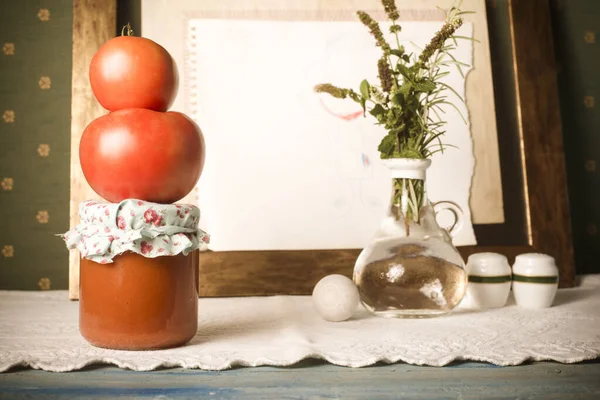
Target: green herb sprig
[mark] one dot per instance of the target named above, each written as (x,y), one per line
(407,101)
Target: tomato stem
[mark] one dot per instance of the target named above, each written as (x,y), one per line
(127,30)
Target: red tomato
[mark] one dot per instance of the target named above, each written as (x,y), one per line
(142,154)
(133,72)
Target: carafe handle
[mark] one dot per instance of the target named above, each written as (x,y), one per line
(456,211)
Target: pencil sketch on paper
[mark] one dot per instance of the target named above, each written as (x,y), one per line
(289,169)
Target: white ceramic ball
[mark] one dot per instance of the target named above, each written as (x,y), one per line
(335,298)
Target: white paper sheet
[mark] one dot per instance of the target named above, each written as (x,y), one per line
(287,168)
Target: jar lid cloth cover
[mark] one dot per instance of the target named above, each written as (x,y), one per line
(149,229)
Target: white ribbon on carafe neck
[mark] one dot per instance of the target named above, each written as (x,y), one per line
(407,168)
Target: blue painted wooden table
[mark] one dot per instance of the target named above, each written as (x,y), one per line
(314,380)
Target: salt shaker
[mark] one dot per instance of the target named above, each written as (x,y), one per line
(489,280)
(535,280)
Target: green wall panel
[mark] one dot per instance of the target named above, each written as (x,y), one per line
(35,124)
(576,29)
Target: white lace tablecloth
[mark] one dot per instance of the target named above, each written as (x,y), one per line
(40,330)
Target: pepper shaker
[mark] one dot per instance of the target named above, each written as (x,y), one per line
(489,280)
(535,280)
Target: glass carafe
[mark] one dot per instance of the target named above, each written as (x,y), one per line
(411,269)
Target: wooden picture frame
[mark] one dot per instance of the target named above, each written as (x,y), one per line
(533,171)
(539,172)
(94,22)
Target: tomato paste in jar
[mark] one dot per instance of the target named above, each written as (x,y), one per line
(139,303)
(139,273)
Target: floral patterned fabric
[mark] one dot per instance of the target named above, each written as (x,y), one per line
(149,229)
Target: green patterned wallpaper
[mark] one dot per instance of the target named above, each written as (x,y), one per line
(576,29)
(35,125)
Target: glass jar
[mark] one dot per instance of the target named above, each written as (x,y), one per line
(410,268)
(138,287)
(139,303)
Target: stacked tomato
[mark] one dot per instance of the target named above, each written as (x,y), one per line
(139,150)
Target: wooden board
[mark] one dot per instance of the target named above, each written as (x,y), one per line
(542,151)
(93,24)
(259,273)
(314,380)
